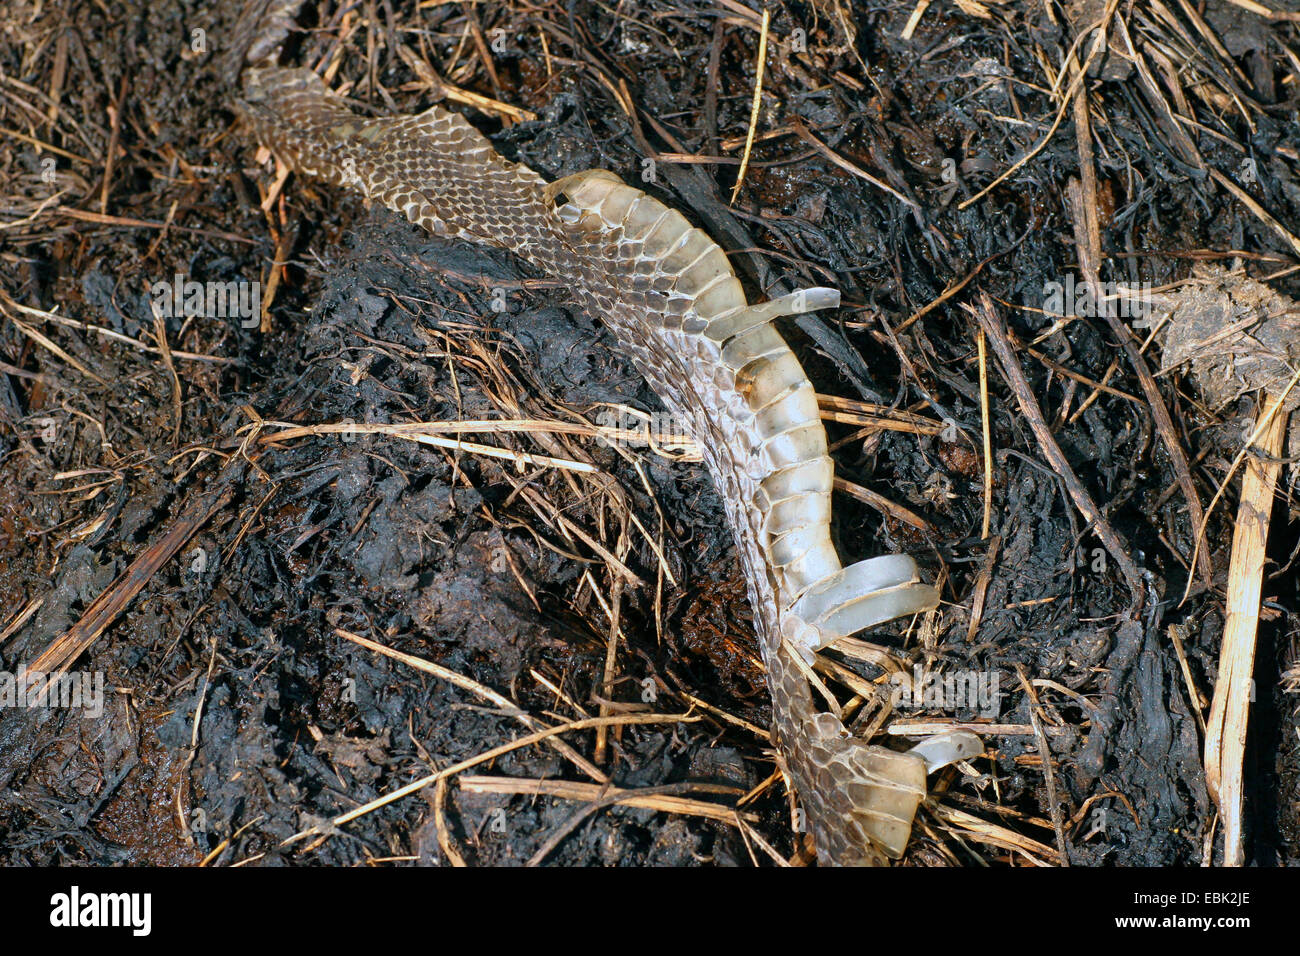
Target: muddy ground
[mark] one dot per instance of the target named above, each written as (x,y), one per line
(241,717)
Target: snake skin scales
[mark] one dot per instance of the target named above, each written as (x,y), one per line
(670,296)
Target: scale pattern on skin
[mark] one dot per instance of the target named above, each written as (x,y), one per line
(669,294)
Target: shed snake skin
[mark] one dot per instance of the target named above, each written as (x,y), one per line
(719,365)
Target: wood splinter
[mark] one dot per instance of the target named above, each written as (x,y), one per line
(1225,737)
